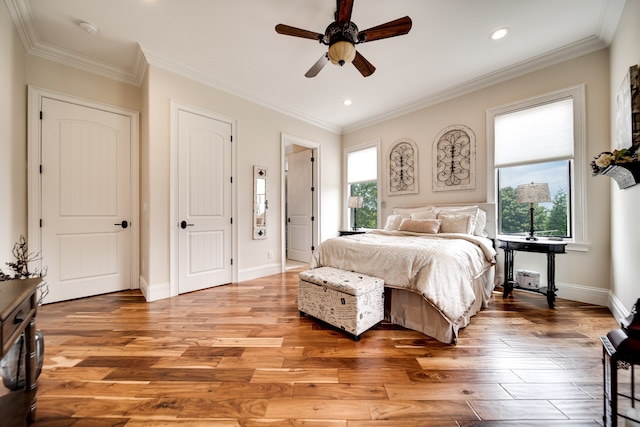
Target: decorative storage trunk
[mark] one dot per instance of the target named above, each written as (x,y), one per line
(528,279)
(350,301)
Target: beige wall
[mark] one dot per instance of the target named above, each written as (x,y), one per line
(625,204)
(579,274)
(13,131)
(258,143)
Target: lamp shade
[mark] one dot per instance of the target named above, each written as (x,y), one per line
(355,202)
(533,193)
(341,52)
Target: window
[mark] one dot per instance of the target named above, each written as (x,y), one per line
(362,180)
(540,140)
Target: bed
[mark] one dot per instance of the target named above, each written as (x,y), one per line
(438,264)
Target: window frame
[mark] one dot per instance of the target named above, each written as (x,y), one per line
(346,212)
(577,202)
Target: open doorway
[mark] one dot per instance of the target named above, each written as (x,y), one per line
(300,200)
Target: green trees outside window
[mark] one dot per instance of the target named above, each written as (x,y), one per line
(367,215)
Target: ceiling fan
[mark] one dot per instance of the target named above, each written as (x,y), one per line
(342,36)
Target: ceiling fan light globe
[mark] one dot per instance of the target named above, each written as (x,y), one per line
(341,52)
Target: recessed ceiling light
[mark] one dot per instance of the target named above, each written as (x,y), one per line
(89,28)
(499,33)
(346,102)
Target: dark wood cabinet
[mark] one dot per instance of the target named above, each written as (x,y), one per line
(18,305)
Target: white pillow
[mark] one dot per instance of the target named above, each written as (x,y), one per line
(481,224)
(393,222)
(430,214)
(428,226)
(455,223)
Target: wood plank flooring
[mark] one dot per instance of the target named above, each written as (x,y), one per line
(240,355)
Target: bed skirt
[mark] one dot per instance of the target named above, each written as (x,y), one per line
(410,310)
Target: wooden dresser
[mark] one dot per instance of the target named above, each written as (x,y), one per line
(18,304)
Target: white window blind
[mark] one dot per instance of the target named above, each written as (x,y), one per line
(537,134)
(362,165)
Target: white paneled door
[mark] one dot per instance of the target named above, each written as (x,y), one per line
(299,205)
(204,202)
(85,200)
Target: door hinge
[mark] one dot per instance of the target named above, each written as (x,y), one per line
(40,222)
(231,219)
(231,138)
(231,261)
(313,189)
(40,115)
(313,159)
(40,168)
(313,248)
(313,218)
(231,179)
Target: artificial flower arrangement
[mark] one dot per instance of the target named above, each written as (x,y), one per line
(607,158)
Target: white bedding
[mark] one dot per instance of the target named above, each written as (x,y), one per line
(439,267)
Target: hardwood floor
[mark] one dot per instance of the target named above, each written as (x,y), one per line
(240,355)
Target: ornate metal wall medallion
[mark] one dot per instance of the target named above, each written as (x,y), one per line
(454,157)
(403,167)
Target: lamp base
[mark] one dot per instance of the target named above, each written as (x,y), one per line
(531,238)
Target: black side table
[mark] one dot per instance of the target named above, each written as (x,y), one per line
(549,247)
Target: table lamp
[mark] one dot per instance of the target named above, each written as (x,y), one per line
(354,203)
(532,193)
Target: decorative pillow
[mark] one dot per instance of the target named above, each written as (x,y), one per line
(455,223)
(463,210)
(429,226)
(430,214)
(393,222)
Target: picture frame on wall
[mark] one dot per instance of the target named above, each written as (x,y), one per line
(454,159)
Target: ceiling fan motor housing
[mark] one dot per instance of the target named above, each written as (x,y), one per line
(341,40)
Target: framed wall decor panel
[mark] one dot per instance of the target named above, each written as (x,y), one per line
(454,157)
(402,162)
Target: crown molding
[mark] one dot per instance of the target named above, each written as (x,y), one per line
(554,57)
(161,61)
(609,18)
(21,14)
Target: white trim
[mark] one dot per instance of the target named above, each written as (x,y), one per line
(345,212)
(259,271)
(155,292)
(287,139)
(579,176)
(34,185)
(618,309)
(572,292)
(173,189)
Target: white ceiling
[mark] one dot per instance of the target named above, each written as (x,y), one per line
(232,45)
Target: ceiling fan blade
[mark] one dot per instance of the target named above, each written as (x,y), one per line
(364,66)
(297,32)
(319,65)
(345,7)
(398,27)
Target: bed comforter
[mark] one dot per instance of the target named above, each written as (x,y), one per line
(440,267)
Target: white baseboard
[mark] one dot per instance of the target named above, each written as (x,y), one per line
(154,292)
(615,305)
(260,271)
(575,292)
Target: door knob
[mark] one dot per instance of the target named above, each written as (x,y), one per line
(123,224)
(184,225)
